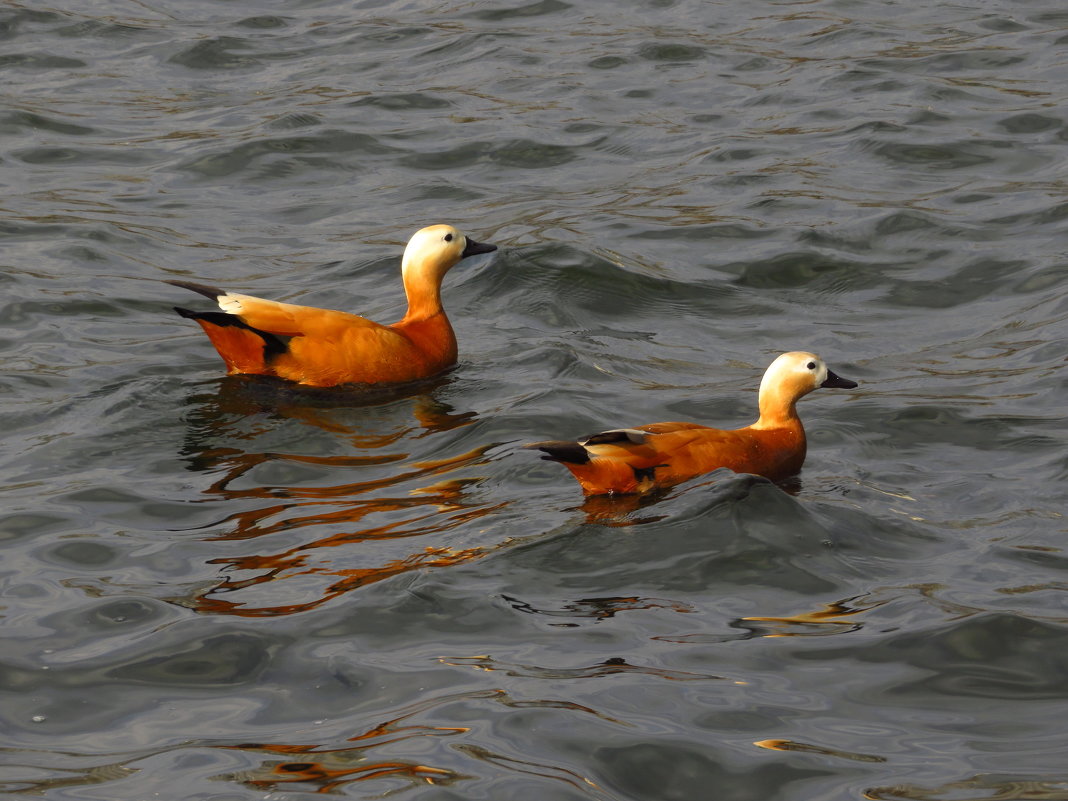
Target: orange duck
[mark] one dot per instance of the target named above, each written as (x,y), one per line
(627,460)
(324,348)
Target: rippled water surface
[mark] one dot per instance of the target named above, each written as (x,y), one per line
(224,589)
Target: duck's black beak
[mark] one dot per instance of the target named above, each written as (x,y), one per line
(837,382)
(474,248)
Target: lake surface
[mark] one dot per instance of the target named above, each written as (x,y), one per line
(222,589)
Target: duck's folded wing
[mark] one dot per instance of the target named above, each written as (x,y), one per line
(293,320)
(680,448)
(642,445)
(671,428)
(651,435)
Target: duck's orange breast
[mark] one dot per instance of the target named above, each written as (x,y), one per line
(676,452)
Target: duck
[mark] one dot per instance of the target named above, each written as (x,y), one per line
(325,348)
(659,455)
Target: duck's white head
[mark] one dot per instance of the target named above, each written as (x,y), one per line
(792,376)
(434,250)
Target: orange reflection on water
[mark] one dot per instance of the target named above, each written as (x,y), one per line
(540,769)
(327,769)
(794,745)
(335,770)
(351,517)
(351,580)
(983,787)
(831,619)
(249,524)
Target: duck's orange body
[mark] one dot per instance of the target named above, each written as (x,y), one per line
(646,457)
(325,348)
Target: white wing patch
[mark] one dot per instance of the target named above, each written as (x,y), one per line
(230,303)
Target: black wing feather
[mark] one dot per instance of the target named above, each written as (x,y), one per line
(203,289)
(273,345)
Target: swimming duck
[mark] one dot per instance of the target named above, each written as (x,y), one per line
(629,460)
(324,348)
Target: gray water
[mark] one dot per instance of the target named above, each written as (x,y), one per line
(222,589)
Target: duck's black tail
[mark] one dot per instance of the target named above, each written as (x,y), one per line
(561,451)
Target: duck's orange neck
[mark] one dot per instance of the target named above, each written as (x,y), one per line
(426,324)
(776,411)
(424,298)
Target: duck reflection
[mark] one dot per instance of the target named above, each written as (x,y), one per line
(237,398)
(620,511)
(296,506)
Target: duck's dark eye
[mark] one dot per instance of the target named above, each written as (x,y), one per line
(448,237)
(811,365)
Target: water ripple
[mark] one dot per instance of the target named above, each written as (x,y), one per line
(237,588)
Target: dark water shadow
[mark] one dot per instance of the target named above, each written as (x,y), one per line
(251,394)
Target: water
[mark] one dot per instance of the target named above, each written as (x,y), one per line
(219,589)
